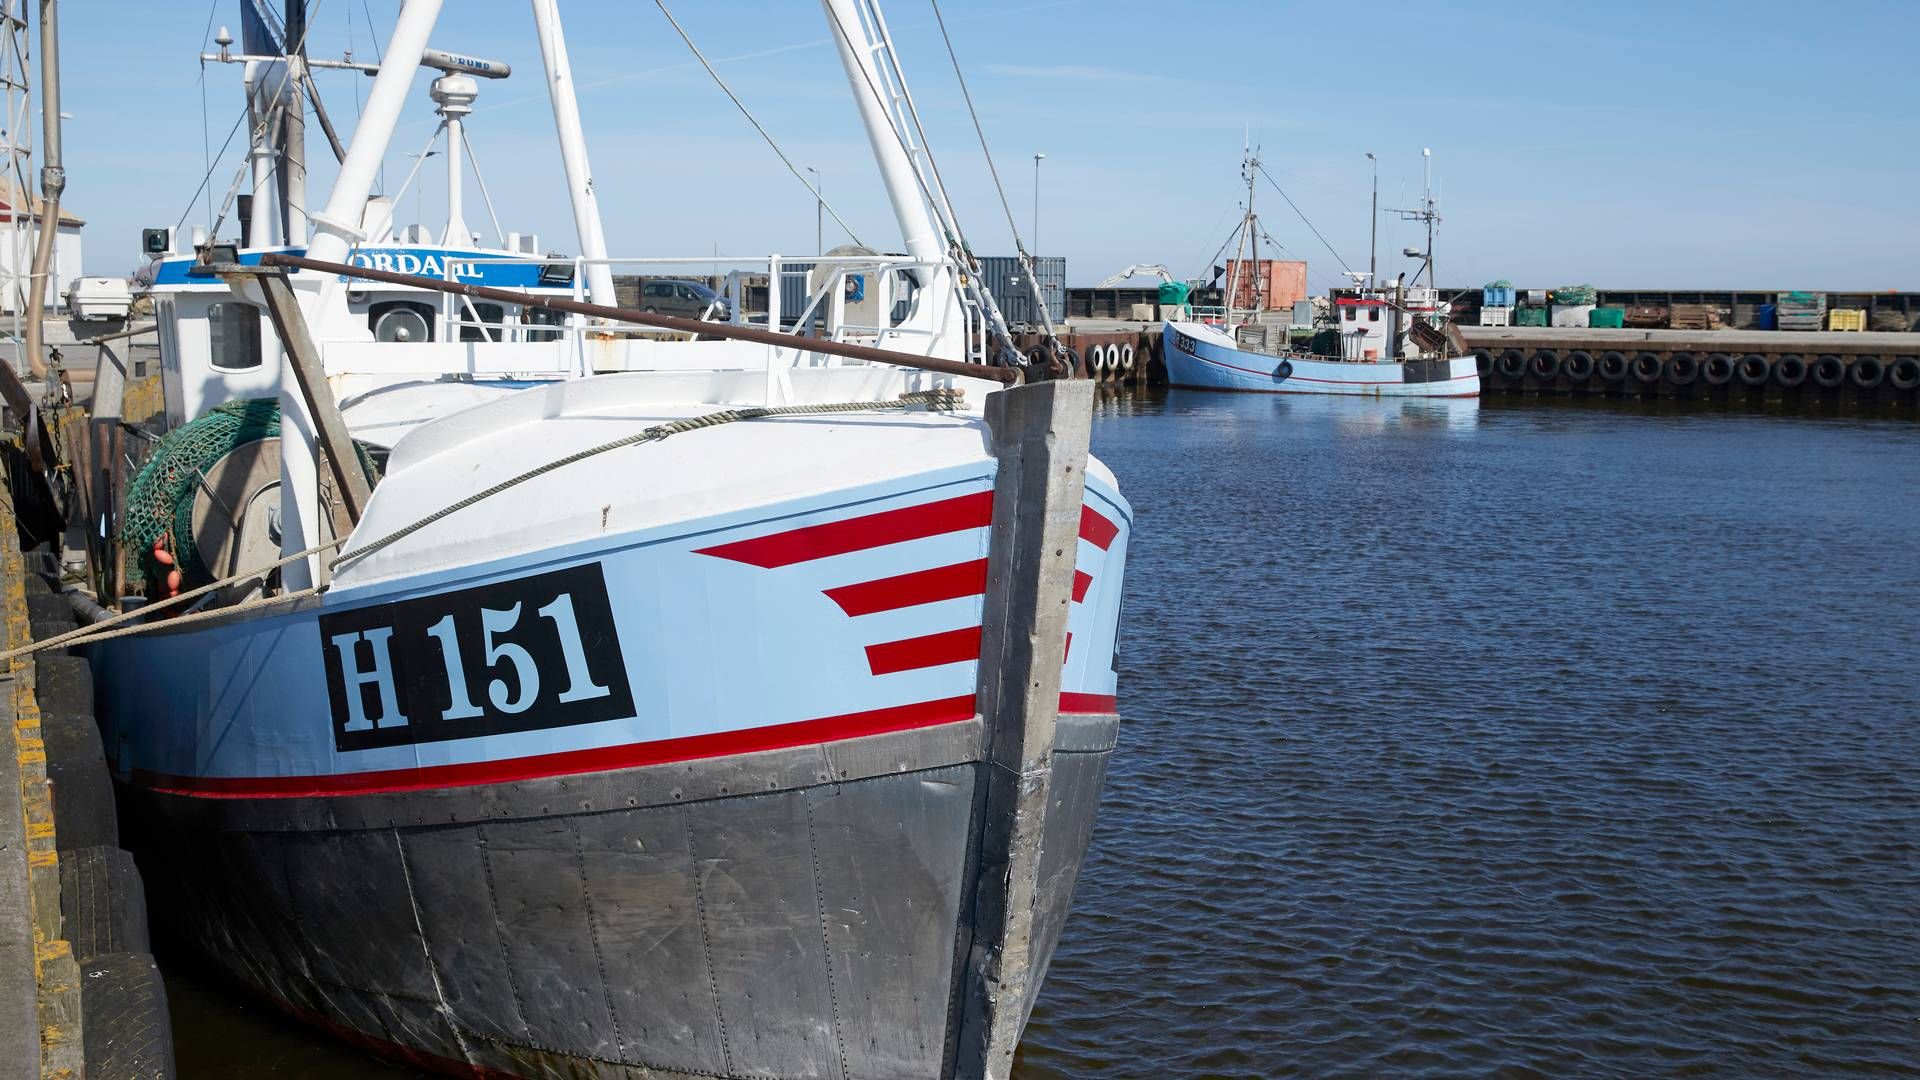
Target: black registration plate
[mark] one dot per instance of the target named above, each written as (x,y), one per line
(531,653)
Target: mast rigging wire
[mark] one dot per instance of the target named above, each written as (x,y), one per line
(958,250)
(206,136)
(738,104)
(1303,217)
(214,225)
(948,225)
(1019,245)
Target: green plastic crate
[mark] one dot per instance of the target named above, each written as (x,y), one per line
(1610,318)
(1530,316)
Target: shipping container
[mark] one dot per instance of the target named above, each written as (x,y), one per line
(1006,279)
(1277,283)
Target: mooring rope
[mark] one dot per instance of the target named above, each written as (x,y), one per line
(933,399)
(943,399)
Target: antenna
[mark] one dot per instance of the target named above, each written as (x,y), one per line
(1428,213)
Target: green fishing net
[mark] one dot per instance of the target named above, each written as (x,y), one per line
(159,501)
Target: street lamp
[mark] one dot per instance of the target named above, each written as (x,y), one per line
(819,213)
(1373,228)
(1037,159)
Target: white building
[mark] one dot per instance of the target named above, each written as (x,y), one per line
(18,235)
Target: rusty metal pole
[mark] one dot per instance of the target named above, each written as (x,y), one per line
(1040,434)
(53,180)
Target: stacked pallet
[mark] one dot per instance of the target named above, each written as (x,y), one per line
(1802,310)
(1694,317)
(1646,316)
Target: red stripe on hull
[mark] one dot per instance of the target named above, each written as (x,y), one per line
(1081,582)
(811,542)
(931,650)
(598,759)
(1089,704)
(1096,528)
(909,590)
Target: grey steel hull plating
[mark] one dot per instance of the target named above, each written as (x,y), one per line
(794,913)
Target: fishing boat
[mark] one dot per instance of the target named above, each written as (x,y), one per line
(1392,342)
(608,693)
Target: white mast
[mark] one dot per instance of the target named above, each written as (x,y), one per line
(923,241)
(260,131)
(335,230)
(454,94)
(573,151)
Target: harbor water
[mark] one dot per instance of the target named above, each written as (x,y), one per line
(1506,737)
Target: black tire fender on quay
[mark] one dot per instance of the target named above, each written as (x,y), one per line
(1648,367)
(1829,371)
(1578,365)
(1904,372)
(1513,363)
(51,628)
(47,606)
(1867,372)
(124,1021)
(1545,365)
(1754,369)
(1682,368)
(103,908)
(83,805)
(1717,369)
(1483,362)
(1612,366)
(1790,370)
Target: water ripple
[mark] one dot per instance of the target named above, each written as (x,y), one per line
(1497,740)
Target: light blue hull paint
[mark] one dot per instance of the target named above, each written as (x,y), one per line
(708,645)
(1195,360)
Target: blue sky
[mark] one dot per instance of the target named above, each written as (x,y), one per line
(1683,144)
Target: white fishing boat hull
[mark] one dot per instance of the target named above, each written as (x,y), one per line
(1200,356)
(665,762)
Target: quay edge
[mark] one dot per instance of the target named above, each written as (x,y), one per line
(1862,368)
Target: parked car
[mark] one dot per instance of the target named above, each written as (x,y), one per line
(686,299)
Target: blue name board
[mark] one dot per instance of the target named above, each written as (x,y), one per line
(465,267)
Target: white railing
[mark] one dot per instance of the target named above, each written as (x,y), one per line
(855,298)
(885,301)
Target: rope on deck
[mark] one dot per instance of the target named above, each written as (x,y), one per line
(944,399)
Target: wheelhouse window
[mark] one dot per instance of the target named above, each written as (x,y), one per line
(1373,314)
(534,316)
(233,335)
(1352,314)
(491,315)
